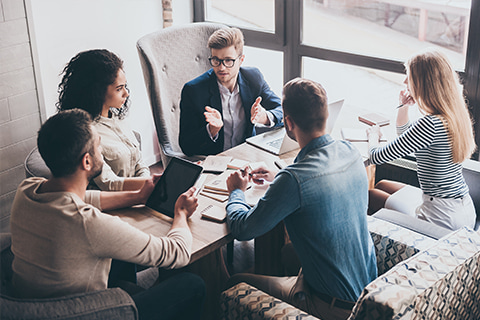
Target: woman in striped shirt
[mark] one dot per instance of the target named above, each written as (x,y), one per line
(441,140)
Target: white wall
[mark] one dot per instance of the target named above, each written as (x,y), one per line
(61,28)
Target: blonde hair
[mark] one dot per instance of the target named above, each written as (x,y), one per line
(436,88)
(226,37)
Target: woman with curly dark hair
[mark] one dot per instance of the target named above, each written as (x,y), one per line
(94,81)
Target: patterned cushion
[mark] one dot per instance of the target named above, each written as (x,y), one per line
(243,301)
(394,243)
(441,282)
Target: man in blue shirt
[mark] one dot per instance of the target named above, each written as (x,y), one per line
(220,108)
(322,199)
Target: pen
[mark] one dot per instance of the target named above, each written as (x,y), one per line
(245,171)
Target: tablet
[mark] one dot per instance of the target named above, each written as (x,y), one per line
(177,178)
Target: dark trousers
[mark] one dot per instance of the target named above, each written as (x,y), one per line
(178,297)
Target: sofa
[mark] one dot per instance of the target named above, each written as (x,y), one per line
(104,304)
(419,278)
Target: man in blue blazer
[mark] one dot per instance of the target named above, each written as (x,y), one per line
(220,108)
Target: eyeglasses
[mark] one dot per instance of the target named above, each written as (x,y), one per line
(228,63)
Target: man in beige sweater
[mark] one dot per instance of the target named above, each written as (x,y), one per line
(64,244)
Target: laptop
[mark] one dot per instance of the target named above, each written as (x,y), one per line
(278,142)
(177,178)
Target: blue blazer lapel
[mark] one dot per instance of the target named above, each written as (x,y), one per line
(215,101)
(246,95)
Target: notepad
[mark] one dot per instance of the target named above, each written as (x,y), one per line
(219,183)
(214,213)
(374,119)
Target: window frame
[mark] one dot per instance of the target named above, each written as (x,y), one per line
(288,40)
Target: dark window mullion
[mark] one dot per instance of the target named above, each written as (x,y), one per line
(293,27)
(472,69)
(199,14)
(352,59)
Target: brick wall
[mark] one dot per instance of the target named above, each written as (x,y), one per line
(19,109)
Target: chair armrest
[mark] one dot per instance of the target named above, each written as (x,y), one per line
(105,304)
(35,166)
(420,226)
(440,282)
(394,243)
(243,301)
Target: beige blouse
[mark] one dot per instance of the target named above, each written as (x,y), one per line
(121,154)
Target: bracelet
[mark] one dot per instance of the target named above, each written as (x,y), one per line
(400,106)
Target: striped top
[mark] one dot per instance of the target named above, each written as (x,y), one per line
(428,139)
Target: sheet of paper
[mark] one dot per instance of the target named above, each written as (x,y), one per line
(237,164)
(357,135)
(254,194)
(255,165)
(216,163)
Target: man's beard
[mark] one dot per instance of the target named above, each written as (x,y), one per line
(289,133)
(96,171)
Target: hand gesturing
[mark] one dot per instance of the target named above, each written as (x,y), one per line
(214,119)
(259,114)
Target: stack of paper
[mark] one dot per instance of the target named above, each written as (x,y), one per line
(217,188)
(373,119)
(257,165)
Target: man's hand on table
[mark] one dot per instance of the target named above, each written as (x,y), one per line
(262,174)
(238,180)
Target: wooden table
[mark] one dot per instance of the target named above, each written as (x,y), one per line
(209,237)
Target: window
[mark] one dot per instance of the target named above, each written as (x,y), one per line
(369,37)
(250,14)
(392,29)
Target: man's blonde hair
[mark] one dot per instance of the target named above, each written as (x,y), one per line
(227,37)
(436,89)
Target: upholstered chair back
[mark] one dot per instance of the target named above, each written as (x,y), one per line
(170,58)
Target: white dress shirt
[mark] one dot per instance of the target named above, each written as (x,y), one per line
(233,116)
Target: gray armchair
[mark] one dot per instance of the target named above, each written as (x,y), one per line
(105,304)
(170,58)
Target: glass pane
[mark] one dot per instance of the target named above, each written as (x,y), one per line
(270,63)
(393,29)
(364,90)
(251,14)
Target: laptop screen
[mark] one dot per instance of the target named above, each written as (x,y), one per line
(333,112)
(177,178)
